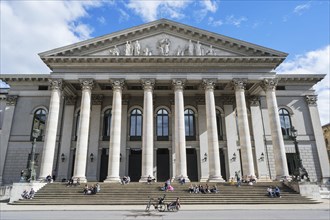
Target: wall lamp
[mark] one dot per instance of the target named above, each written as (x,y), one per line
(262,157)
(91,156)
(205,157)
(62,157)
(234,157)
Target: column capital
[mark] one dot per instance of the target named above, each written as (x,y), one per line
(70,100)
(254,100)
(239,83)
(11,99)
(117,84)
(269,84)
(178,84)
(148,84)
(97,99)
(208,83)
(311,100)
(56,84)
(86,84)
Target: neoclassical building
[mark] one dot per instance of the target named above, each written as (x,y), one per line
(162,99)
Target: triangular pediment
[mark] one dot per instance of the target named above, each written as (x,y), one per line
(163,38)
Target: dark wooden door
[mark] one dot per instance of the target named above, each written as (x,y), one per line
(192,164)
(163,165)
(134,168)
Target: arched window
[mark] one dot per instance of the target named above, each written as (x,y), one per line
(162,125)
(189,118)
(77,125)
(286,125)
(219,125)
(136,125)
(39,122)
(106,125)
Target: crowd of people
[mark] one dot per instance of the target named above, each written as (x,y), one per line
(274,192)
(92,190)
(203,189)
(28,195)
(167,186)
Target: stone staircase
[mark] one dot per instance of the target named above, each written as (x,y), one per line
(138,193)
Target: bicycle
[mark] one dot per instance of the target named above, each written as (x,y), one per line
(157,204)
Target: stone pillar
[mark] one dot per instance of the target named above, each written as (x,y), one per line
(47,160)
(243,128)
(212,133)
(83,131)
(281,166)
(6,129)
(114,145)
(94,137)
(180,135)
(234,163)
(68,114)
(259,141)
(124,128)
(203,146)
(319,138)
(148,130)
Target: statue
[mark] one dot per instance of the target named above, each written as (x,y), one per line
(190,48)
(198,49)
(146,51)
(164,46)
(114,51)
(137,48)
(210,52)
(179,51)
(128,49)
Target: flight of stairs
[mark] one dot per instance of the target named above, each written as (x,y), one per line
(138,193)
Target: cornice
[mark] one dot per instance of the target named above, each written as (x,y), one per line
(300,78)
(25,77)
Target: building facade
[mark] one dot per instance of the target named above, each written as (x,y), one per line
(162,99)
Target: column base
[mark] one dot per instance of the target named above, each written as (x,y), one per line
(264,179)
(144,179)
(203,179)
(215,179)
(112,179)
(81,179)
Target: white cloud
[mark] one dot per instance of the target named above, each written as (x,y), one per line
(235,21)
(214,23)
(209,5)
(152,10)
(317,62)
(102,20)
(300,9)
(31,27)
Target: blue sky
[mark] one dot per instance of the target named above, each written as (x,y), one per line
(300,28)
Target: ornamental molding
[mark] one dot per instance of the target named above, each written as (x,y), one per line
(86,84)
(208,84)
(269,84)
(56,84)
(239,84)
(11,100)
(254,100)
(178,84)
(148,84)
(117,84)
(311,100)
(97,99)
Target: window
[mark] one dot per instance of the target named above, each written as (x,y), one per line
(107,125)
(39,122)
(77,125)
(136,125)
(219,125)
(162,125)
(189,118)
(285,120)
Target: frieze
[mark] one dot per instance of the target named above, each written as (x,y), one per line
(97,99)
(86,84)
(269,84)
(239,83)
(11,99)
(56,84)
(148,84)
(311,100)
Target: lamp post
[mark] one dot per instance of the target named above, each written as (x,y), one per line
(35,135)
(299,172)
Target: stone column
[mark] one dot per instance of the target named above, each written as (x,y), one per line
(47,160)
(281,166)
(179,129)
(259,141)
(94,137)
(212,133)
(83,131)
(148,131)
(319,138)
(114,145)
(203,145)
(68,114)
(6,129)
(243,128)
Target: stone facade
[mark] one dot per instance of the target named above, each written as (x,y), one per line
(161,99)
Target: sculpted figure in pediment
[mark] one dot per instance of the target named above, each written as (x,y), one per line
(190,48)
(198,49)
(179,51)
(128,49)
(211,51)
(137,48)
(164,46)
(114,51)
(147,52)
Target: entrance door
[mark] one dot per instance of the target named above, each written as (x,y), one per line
(104,164)
(223,164)
(192,164)
(135,161)
(290,157)
(163,165)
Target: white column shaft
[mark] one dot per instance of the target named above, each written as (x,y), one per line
(47,160)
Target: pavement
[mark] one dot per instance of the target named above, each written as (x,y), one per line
(324,205)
